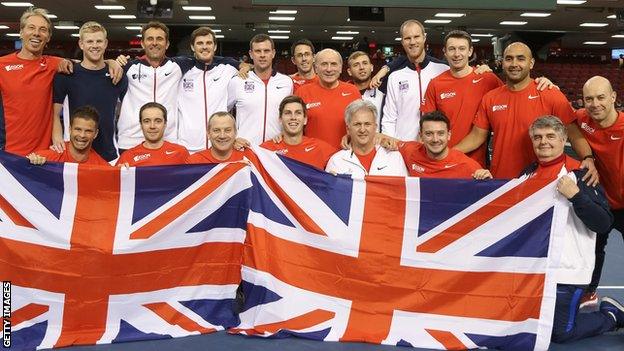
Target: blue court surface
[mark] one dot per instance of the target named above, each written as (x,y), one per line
(612,284)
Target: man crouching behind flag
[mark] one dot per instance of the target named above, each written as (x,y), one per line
(591,215)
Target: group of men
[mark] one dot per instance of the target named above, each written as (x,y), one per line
(427,119)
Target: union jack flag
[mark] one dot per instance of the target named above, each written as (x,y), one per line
(101,255)
(442,264)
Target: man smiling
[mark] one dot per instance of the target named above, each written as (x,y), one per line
(294,144)
(83,129)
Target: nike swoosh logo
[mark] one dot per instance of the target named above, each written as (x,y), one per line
(475,81)
(450,166)
(615,138)
(168,73)
(216,79)
(346,94)
(380,168)
(308,149)
(280,87)
(531,97)
(169,152)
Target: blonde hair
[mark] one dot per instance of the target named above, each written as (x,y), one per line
(35,11)
(92,27)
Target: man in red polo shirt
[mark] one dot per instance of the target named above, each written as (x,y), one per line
(293,143)
(83,128)
(327,99)
(603,127)
(222,135)
(509,110)
(154,151)
(432,158)
(458,91)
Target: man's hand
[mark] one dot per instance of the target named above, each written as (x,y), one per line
(277,139)
(36,159)
(240,144)
(65,66)
(345,142)
(378,77)
(567,187)
(591,178)
(58,144)
(387,142)
(482,174)
(115,70)
(243,70)
(122,60)
(544,83)
(480,69)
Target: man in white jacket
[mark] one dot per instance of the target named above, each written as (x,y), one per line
(257,98)
(588,215)
(365,158)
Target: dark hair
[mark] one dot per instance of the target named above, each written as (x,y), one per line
(155,24)
(162,109)
(292,99)
(200,32)
(458,34)
(87,112)
(259,38)
(305,42)
(435,116)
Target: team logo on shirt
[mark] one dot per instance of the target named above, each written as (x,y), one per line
(418,168)
(143,157)
(281,151)
(187,84)
(313,105)
(587,128)
(10,68)
(299,81)
(447,95)
(499,108)
(139,76)
(249,87)
(403,86)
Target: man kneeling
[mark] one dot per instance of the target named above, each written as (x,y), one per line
(589,215)
(222,135)
(365,158)
(83,128)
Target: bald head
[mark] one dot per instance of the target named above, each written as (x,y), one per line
(597,82)
(517,64)
(599,99)
(328,66)
(328,53)
(519,47)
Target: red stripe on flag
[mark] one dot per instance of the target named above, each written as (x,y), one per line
(303,321)
(306,221)
(27,313)
(447,339)
(164,219)
(482,215)
(175,317)
(15,216)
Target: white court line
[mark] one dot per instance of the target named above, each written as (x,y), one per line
(611,287)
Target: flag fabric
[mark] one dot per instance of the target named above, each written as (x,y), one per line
(101,255)
(443,264)
(110,255)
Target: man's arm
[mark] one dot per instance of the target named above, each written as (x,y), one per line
(390,113)
(473,140)
(589,203)
(58,143)
(582,149)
